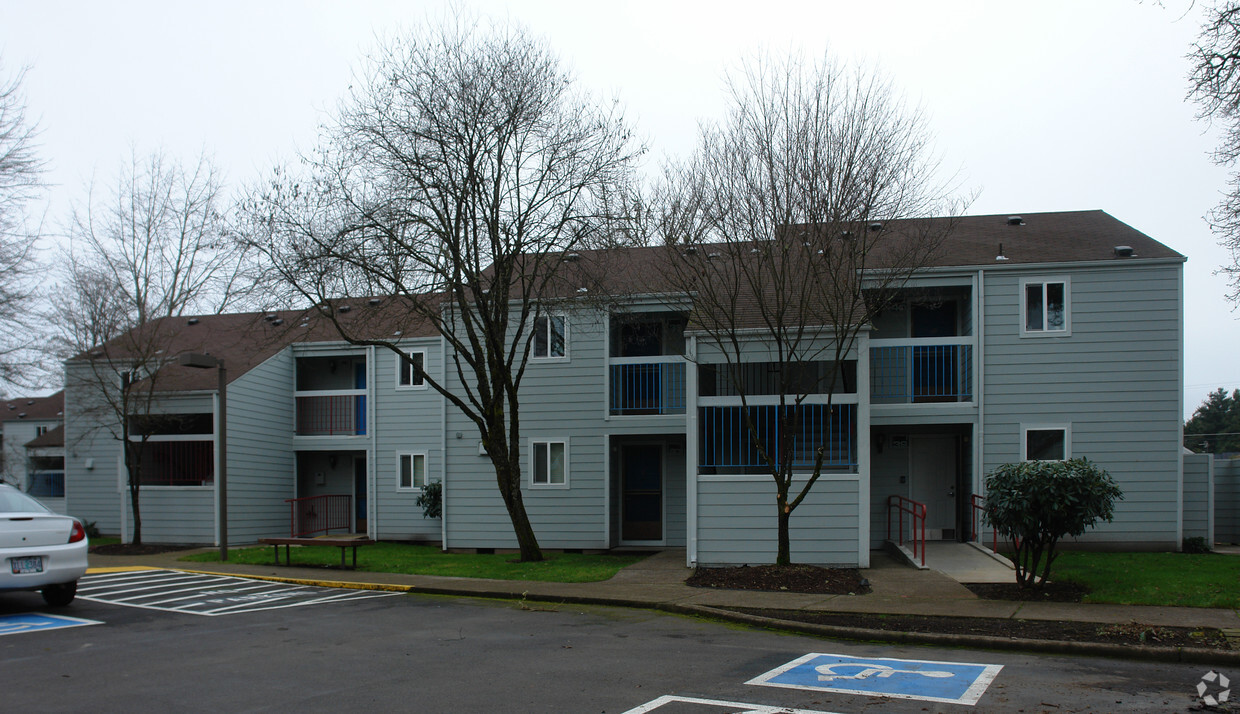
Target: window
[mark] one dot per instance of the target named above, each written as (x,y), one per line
(40,431)
(412,469)
(1045,307)
(406,376)
(1050,443)
(550,336)
(550,463)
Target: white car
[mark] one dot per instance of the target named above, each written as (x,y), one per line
(39,549)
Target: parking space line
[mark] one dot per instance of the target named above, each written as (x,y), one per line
(732,707)
(209,595)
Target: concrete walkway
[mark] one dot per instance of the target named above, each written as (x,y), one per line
(658,582)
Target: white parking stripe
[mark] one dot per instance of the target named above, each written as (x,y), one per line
(208,595)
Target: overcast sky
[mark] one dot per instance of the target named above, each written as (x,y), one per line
(1044,106)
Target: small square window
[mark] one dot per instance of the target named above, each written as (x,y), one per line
(412,471)
(1045,307)
(550,464)
(1046,444)
(550,336)
(406,374)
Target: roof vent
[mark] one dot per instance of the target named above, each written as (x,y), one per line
(583,290)
(192,321)
(21,415)
(29,401)
(277,321)
(572,257)
(712,256)
(1015,221)
(344,308)
(876,227)
(1000,257)
(847,234)
(373,301)
(12,407)
(269,318)
(691,250)
(1124,251)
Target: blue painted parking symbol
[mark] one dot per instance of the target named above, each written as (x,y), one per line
(951,682)
(34,622)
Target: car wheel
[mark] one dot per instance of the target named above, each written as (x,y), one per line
(60,595)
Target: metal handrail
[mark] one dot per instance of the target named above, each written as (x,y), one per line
(314,514)
(917,512)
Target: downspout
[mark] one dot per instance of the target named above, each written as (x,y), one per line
(372,476)
(691,453)
(979,374)
(607,472)
(862,353)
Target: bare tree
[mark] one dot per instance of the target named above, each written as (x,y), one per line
(20,182)
(1215,82)
(789,229)
(155,247)
(457,173)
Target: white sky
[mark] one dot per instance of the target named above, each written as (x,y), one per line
(1048,106)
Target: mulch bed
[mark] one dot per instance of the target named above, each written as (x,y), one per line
(131,549)
(783,578)
(1126,634)
(1050,592)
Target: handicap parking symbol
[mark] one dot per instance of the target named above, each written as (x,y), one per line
(949,682)
(34,622)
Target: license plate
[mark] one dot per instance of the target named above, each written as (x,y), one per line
(27,565)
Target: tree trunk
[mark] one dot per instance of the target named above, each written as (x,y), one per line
(508,478)
(784,555)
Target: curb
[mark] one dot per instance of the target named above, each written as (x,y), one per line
(1183,655)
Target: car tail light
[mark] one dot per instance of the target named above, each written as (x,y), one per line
(78,533)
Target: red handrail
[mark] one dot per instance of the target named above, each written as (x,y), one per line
(979,507)
(313,514)
(917,512)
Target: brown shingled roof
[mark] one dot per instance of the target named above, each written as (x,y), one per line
(34,408)
(48,439)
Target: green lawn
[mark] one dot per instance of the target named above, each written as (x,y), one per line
(1206,580)
(430,560)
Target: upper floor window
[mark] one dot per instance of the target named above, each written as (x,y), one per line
(550,336)
(1044,305)
(406,374)
(1050,443)
(40,430)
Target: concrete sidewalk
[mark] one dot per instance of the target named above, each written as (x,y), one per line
(658,582)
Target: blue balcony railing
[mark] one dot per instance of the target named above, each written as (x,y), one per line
(331,415)
(916,373)
(730,438)
(648,388)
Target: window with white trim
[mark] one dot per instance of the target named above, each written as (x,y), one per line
(550,463)
(410,471)
(406,376)
(550,337)
(1044,307)
(1045,443)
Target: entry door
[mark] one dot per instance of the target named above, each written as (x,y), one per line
(359,493)
(933,470)
(641,492)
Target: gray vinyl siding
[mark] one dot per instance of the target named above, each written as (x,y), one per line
(1115,380)
(92,455)
(261,473)
(406,420)
(737,523)
(1199,497)
(174,514)
(561,400)
(1227,498)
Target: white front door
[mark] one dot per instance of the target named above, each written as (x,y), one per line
(933,470)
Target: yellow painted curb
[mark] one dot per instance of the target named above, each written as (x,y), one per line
(125,569)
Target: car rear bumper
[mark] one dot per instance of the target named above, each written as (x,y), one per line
(61,564)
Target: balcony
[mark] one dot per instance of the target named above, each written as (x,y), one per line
(334,414)
(917,371)
(647,385)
